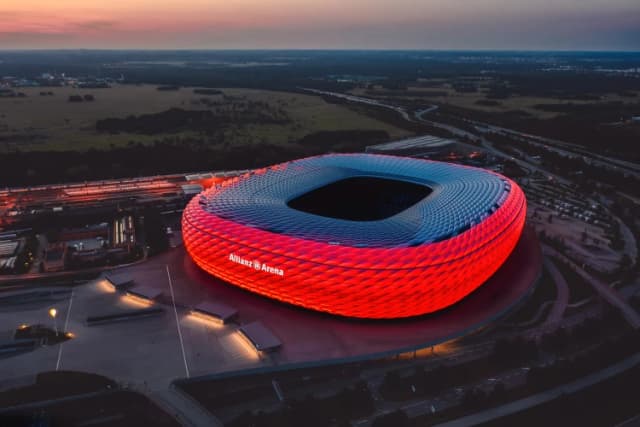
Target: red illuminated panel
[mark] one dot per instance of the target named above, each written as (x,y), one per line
(350,281)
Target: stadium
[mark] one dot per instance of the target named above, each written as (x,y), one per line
(357,235)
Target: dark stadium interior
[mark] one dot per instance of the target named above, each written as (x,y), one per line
(361,198)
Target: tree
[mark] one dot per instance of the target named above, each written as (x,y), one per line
(499,393)
(625,261)
(473,398)
(155,231)
(397,418)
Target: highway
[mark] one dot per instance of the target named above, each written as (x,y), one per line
(560,147)
(610,295)
(566,149)
(419,116)
(361,100)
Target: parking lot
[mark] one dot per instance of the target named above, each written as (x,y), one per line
(144,352)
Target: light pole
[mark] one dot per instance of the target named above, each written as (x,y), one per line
(53,312)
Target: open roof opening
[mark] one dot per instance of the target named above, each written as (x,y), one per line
(361,198)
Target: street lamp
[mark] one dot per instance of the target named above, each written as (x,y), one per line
(53,312)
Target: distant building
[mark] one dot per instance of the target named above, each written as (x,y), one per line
(8,264)
(123,233)
(9,247)
(55,258)
(88,232)
(422,146)
(10,250)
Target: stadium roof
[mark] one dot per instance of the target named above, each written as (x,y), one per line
(461,197)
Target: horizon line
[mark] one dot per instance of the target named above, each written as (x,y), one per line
(249,49)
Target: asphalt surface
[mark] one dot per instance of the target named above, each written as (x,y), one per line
(311,336)
(562,296)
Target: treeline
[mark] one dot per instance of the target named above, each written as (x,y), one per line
(609,352)
(206,91)
(407,92)
(568,84)
(507,353)
(345,139)
(7,93)
(170,156)
(587,127)
(576,353)
(81,98)
(524,71)
(601,112)
(336,410)
(177,119)
(610,402)
(45,167)
(171,120)
(512,353)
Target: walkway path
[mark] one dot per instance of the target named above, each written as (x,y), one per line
(187,411)
(562,297)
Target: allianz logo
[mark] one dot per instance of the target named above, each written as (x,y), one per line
(256,265)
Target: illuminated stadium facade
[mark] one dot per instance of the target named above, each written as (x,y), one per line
(357,235)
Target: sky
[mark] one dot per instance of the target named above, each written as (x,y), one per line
(321,24)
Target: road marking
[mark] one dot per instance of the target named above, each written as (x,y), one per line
(64,330)
(175,311)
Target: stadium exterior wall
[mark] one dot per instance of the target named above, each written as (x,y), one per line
(361,282)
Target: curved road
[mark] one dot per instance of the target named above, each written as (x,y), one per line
(611,295)
(562,298)
(187,411)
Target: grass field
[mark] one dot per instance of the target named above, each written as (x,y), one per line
(38,122)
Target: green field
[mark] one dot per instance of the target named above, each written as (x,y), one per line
(38,122)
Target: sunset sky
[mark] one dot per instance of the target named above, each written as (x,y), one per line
(343,24)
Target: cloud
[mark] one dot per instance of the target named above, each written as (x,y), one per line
(28,39)
(9,14)
(96,25)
